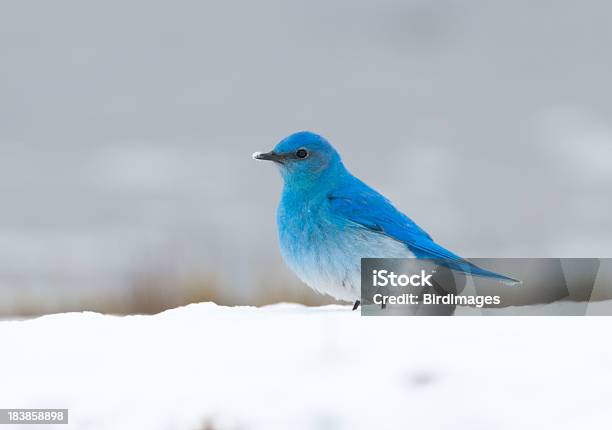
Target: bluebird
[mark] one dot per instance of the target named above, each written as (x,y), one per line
(328,220)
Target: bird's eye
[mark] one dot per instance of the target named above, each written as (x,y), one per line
(301,153)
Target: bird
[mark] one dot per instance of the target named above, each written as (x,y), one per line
(328,219)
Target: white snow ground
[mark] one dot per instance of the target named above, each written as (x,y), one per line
(290,367)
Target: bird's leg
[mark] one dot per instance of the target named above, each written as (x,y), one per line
(356,305)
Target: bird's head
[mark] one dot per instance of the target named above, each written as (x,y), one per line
(303,158)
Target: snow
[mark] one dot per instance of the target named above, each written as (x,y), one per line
(287,366)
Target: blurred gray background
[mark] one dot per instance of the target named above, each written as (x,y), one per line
(127,128)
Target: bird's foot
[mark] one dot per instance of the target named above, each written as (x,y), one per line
(356,305)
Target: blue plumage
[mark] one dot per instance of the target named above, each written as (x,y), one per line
(328,220)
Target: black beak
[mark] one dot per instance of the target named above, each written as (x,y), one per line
(269,156)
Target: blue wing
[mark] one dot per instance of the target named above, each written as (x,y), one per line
(365,207)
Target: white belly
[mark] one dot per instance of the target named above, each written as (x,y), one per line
(333,265)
